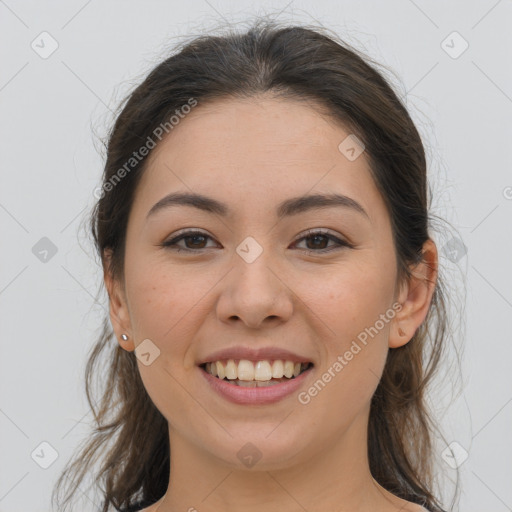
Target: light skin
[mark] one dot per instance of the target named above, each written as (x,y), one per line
(252,154)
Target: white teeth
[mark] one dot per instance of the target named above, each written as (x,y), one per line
(245,370)
(288,369)
(262,372)
(231,370)
(277,369)
(212,368)
(220,370)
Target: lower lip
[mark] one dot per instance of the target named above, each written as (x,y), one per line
(255,396)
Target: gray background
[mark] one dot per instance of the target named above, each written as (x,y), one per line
(50,110)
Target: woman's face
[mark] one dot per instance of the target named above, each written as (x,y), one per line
(255,279)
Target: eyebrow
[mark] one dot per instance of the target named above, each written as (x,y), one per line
(289,207)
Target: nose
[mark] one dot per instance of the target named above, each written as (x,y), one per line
(255,293)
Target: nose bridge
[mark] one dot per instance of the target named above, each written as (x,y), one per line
(254,269)
(253,290)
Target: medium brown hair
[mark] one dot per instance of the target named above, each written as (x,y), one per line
(289,62)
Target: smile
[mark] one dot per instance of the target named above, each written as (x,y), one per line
(251,374)
(246,382)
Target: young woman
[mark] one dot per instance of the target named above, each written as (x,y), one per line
(276,308)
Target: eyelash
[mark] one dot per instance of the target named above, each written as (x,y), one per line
(309,234)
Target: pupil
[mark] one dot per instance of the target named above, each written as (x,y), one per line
(195,237)
(316,237)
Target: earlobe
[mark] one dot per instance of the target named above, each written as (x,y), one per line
(126,344)
(119,316)
(416,297)
(398,336)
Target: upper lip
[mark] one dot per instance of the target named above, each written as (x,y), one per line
(254,354)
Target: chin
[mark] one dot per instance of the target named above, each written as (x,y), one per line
(256,450)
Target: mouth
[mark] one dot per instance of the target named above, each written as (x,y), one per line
(255,374)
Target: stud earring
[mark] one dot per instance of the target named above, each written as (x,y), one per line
(124,337)
(401,332)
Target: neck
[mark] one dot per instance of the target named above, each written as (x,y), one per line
(334,477)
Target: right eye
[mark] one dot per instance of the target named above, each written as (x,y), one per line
(195,237)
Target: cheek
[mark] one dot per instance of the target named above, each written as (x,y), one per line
(348,299)
(153,302)
(354,306)
(159,302)
(168,305)
(163,308)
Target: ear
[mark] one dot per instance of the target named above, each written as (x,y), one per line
(119,315)
(415,297)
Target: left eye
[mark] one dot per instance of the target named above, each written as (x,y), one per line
(319,238)
(198,241)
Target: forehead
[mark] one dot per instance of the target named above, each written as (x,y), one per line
(260,149)
(281,127)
